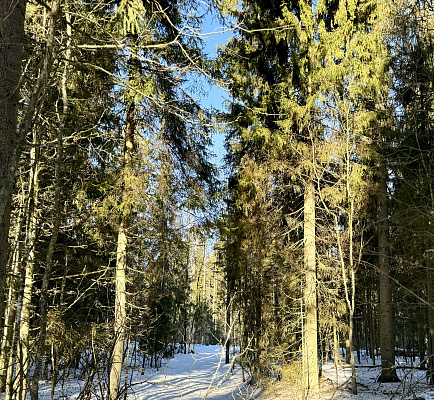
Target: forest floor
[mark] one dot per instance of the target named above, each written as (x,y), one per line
(203,375)
(335,384)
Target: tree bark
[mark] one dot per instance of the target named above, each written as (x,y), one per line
(310,342)
(336,352)
(121,260)
(120,314)
(228,324)
(349,284)
(12,289)
(24,343)
(58,207)
(349,291)
(12,13)
(388,372)
(429,258)
(27,263)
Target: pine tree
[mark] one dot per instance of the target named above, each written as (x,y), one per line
(273,120)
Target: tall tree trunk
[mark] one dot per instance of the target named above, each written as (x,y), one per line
(429,258)
(388,371)
(228,324)
(12,13)
(121,260)
(347,266)
(120,313)
(204,271)
(28,261)
(336,352)
(185,312)
(12,18)
(310,342)
(350,291)
(7,345)
(24,342)
(13,309)
(58,206)
(213,299)
(13,288)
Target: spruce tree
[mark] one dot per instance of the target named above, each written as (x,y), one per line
(411,158)
(303,80)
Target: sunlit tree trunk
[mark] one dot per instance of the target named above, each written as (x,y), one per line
(26,262)
(310,342)
(349,288)
(336,352)
(24,342)
(204,272)
(57,211)
(12,289)
(58,207)
(213,297)
(14,301)
(347,262)
(120,313)
(121,260)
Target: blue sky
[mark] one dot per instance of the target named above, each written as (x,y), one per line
(214,35)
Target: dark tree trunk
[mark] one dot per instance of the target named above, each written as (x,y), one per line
(430,294)
(12,13)
(228,325)
(388,371)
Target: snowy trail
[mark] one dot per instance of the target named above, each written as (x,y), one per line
(193,377)
(202,375)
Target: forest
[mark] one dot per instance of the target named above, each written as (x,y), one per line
(123,235)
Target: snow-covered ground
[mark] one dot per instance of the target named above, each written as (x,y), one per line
(203,375)
(413,383)
(193,377)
